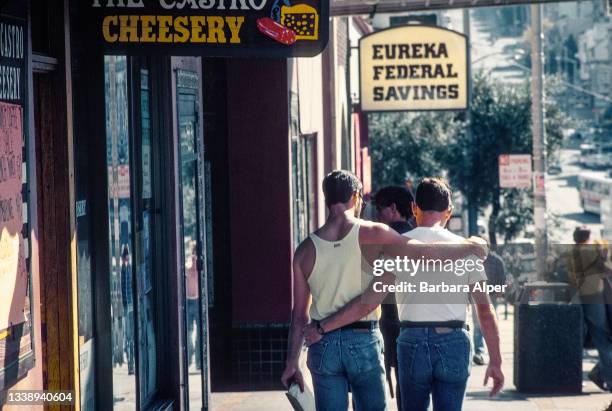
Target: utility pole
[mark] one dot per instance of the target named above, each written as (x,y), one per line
(472,209)
(539,139)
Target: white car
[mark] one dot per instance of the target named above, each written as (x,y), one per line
(597,161)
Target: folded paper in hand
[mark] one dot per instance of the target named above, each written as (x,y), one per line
(301,401)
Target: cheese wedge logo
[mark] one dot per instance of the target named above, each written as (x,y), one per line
(302,19)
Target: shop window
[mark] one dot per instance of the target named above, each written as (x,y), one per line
(304,188)
(120,231)
(147,341)
(193,230)
(133,243)
(303,175)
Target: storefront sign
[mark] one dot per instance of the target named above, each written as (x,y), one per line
(413,68)
(261,28)
(12,60)
(13,269)
(515,171)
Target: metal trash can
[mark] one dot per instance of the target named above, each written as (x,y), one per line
(547,340)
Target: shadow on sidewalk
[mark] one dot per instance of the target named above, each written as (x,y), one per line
(506,395)
(582,218)
(513,395)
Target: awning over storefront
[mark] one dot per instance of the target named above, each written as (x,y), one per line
(347,7)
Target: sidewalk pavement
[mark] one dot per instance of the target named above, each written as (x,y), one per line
(591,399)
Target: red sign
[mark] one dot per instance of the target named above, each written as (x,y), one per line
(119,187)
(515,171)
(13,270)
(540,184)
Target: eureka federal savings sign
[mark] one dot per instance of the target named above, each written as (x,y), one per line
(413,68)
(241,28)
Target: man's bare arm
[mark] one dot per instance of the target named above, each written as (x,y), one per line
(396,245)
(359,306)
(490,332)
(299,318)
(381,236)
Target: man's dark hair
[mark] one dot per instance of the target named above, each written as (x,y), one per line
(582,234)
(433,194)
(339,186)
(400,196)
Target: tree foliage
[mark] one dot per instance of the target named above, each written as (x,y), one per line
(407,145)
(418,145)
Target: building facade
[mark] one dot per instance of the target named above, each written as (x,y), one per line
(162,199)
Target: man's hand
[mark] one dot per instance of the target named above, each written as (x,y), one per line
(311,335)
(496,374)
(292,374)
(480,247)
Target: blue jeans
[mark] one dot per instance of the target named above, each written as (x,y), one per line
(433,364)
(346,358)
(597,323)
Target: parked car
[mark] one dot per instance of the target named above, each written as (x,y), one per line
(596,156)
(606,151)
(554,169)
(586,151)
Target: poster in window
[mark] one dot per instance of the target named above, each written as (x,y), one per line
(16,355)
(13,268)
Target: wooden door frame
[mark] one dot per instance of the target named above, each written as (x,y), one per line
(56,217)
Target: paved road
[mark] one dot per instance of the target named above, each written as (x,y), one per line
(490,54)
(563,201)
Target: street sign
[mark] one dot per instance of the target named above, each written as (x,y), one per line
(352,7)
(413,68)
(223,28)
(539,181)
(515,171)
(606,217)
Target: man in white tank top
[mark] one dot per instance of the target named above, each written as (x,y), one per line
(327,270)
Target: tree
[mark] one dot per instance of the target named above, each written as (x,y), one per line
(403,144)
(501,124)
(436,144)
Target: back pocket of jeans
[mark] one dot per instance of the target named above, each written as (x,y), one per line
(406,353)
(366,356)
(316,355)
(454,358)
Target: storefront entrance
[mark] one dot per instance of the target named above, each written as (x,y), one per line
(156,243)
(187,82)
